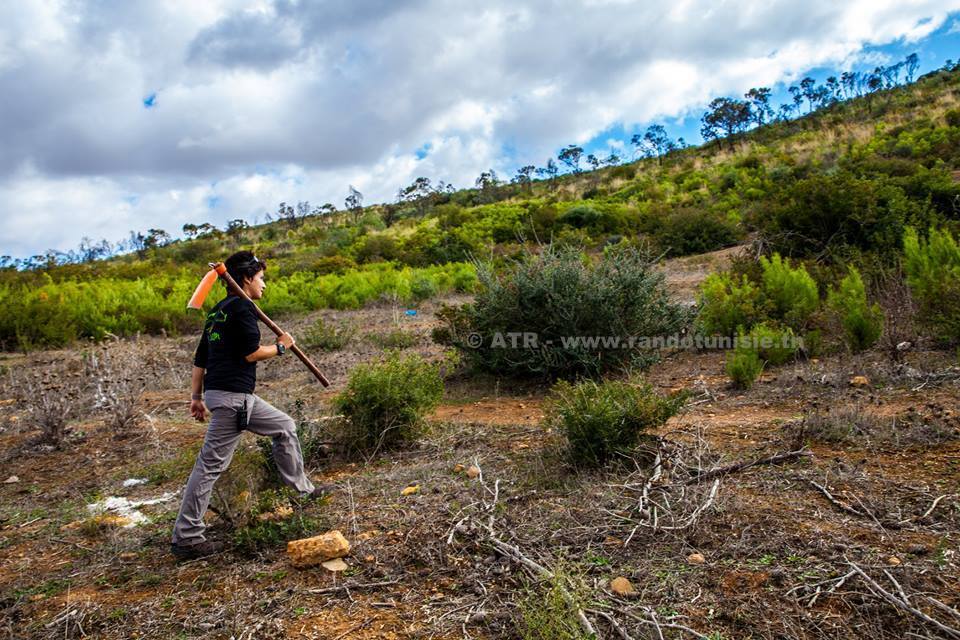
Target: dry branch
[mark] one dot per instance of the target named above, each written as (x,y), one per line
(741,466)
(902,602)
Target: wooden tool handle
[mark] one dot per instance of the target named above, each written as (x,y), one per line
(235,288)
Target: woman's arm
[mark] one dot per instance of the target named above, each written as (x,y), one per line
(265,352)
(197,409)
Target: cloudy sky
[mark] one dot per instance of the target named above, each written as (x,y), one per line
(118,115)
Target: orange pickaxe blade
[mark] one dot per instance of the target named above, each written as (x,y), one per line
(196,301)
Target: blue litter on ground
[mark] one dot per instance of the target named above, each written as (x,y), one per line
(411,312)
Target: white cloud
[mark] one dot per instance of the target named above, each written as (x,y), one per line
(263,101)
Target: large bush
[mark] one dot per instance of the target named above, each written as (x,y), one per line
(606,419)
(559,314)
(385,402)
(690,231)
(826,215)
(932,266)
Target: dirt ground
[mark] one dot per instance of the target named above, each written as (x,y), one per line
(768,551)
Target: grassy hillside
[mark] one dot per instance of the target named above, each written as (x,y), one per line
(838,185)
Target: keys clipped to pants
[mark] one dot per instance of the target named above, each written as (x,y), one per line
(242,416)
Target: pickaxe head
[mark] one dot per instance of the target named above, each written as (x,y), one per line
(196,301)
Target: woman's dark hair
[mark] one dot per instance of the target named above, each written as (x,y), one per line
(243,264)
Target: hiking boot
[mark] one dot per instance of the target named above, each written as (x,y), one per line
(320,492)
(194,551)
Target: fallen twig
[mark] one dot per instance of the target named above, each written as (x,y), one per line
(902,603)
(839,505)
(613,623)
(741,466)
(345,587)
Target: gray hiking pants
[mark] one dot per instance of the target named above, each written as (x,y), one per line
(222,436)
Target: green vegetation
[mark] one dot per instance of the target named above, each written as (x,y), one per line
(933,273)
(326,337)
(384,403)
(791,293)
(559,315)
(744,366)
(862,323)
(727,305)
(396,338)
(775,345)
(271,521)
(604,420)
(837,185)
(51,313)
(549,612)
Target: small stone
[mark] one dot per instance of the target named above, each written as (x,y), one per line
(412,489)
(128,556)
(11,480)
(473,472)
(696,558)
(859,381)
(894,561)
(904,346)
(336,565)
(369,558)
(622,587)
(458,468)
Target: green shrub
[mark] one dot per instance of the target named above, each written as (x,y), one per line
(825,215)
(792,293)
(624,172)
(725,305)
(690,231)
(559,314)
(933,275)
(581,217)
(396,338)
(861,322)
(952,117)
(327,337)
(774,345)
(606,419)
(385,402)
(744,366)
(333,264)
(548,611)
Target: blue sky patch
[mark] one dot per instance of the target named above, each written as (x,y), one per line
(423,151)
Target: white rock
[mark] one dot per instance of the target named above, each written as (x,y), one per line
(335,565)
(134,482)
(11,480)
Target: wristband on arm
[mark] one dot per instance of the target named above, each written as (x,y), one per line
(196,396)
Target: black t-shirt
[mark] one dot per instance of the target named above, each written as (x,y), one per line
(229,335)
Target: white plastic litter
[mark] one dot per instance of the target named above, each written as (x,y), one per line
(134,482)
(127,508)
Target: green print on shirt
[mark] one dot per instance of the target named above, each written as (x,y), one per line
(213,318)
